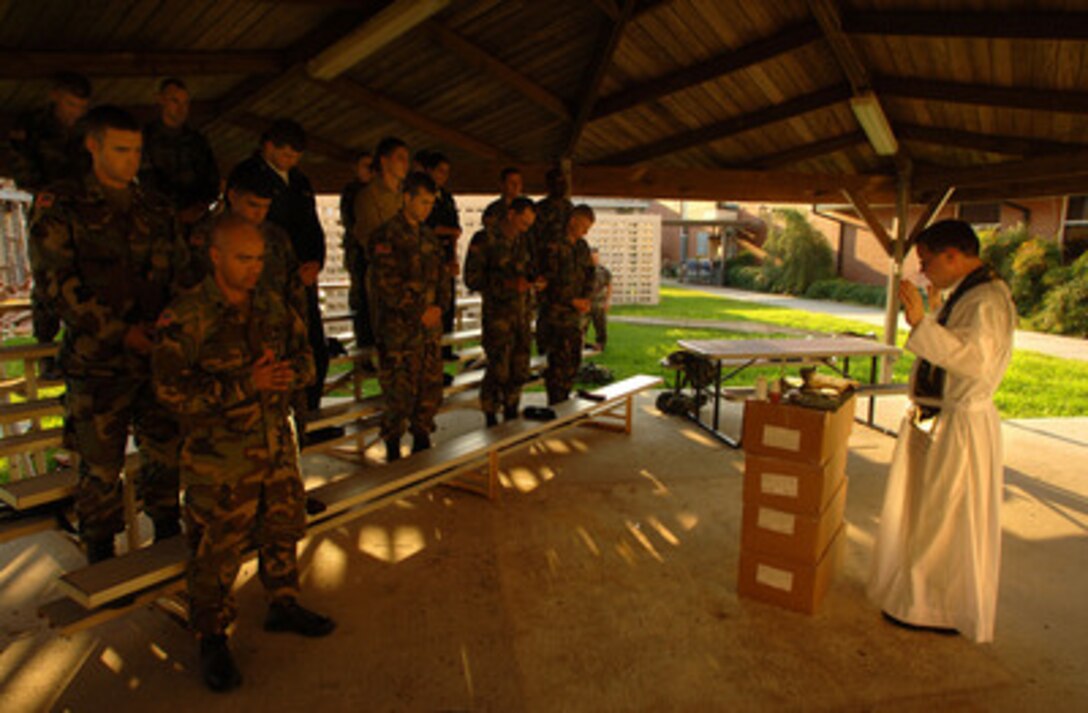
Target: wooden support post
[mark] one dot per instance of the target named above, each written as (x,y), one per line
(630,412)
(895,275)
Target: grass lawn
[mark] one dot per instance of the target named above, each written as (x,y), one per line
(1035,386)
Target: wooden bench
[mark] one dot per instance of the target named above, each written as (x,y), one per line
(347,499)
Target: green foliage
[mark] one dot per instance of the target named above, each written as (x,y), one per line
(746,277)
(798,255)
(999,248)
(1032,262)
(1065,306)
(841,290)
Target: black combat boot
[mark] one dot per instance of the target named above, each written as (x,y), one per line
(392,450)
(288,616)
(420,442)
(510,413)
(167,525)
(217,665)
(99,549)
(492,419)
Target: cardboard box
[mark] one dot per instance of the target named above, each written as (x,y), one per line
(795,432)
(799,538)
(792,485)
(787,583)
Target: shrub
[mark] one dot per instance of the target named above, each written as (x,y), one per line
(841,290)
(1030,264)
(797,255)
(1065,306)
(999,248)
(746,277)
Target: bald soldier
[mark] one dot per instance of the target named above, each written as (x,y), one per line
(230,354)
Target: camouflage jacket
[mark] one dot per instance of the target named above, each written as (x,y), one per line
(179,164)
(494,212)
(280,272)
(550,223)
(42,151)
(103,270)
(203,366)
(602,278)
(568,268)
(406,276)
(493,267)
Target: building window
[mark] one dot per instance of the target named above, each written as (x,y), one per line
(1075,235)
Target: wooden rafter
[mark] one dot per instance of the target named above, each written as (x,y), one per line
(1038,169)
(862,207)
(1036,25)
(1054,100)
(608,41)
(608,7)
(375,101)
(932,209)
(788,40)
(820,99)
(846,55)
(810,151)
(990,143)
(484,62)
(24,64)
(385,27)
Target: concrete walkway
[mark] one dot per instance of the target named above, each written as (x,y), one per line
(604,579)
(1049,344)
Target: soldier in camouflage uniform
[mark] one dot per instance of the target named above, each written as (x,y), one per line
(600,303)
(46,146)
(510,179)
(568,268)
(552,212)
(229,355)
(178,161)
(407,286)
(249,195)
(108,255)
(499,266)
(374,205)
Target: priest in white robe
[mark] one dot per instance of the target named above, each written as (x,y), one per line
(938,550)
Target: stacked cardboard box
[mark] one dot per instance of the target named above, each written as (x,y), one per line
(794,499)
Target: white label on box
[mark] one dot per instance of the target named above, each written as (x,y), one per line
(776,521)
(774,577)
(778,484)
(788,439)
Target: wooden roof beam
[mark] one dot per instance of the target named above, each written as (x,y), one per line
(932,209)
(820,99)
(1038,169)
(385,27)
(809,151)
(866,106)
(990,143)
(608,40)
(25,64)
(791,39)
(608,7)
(374,101)
(484,62)
(1054,100)
(872,221)
(1004,25)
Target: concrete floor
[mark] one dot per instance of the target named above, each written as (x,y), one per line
(604,580)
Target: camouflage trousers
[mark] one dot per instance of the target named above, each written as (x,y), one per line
(266,510)
(599,319)
(359,303)
(507,343)
(100,412)
(44,321)
(411,381)
(564,358)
